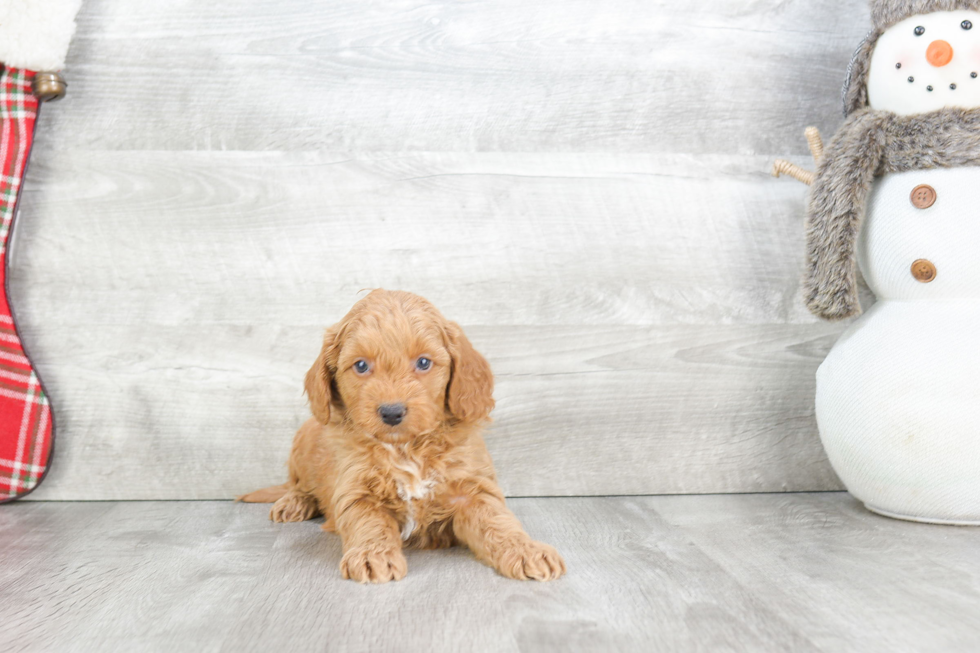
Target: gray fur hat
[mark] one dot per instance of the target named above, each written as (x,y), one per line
(884,14)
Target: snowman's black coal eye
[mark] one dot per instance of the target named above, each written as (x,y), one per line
(973,75)
(920,30)
(929,88)
(966,24)
(898,65)
(952,87)
(911,79)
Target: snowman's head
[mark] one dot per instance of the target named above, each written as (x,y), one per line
(922,56)
(927,62)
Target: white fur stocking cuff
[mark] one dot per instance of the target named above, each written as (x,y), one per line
(34,34)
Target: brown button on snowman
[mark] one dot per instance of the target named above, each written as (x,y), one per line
(923,196)
(896,195)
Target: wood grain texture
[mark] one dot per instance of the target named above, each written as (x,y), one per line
(741,573)
(501,75)
(584,187)
(606,410)
(492,239)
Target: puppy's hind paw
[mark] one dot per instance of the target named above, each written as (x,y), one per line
(294,506)
(367,565)
(531,561)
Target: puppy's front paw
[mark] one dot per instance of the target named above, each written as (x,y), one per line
(367,565)
(531,560)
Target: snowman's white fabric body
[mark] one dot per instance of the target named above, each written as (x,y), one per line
(898,397)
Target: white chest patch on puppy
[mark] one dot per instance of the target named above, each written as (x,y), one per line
(414,488)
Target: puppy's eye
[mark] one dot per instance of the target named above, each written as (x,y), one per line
(362,367)
(423,364)
(920,30)
(966,24)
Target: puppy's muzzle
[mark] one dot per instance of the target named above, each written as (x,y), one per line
(392,414)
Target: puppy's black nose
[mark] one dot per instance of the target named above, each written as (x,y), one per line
(392,414)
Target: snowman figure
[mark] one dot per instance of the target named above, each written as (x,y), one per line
(896,195)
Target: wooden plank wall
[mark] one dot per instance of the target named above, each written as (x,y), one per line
(583,185)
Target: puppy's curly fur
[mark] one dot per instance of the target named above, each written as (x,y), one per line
(426,481)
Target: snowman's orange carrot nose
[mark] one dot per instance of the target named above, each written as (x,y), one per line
(939,53)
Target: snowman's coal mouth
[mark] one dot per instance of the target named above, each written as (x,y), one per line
(930,88)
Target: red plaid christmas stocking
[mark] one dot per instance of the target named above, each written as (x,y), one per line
(26,434)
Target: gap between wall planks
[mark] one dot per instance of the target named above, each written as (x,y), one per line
(584,188)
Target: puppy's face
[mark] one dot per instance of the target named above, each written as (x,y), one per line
(397,369)
(392,374)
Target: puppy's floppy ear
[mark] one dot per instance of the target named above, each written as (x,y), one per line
(470,393)
(319,380)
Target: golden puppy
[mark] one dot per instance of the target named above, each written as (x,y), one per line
(393,455)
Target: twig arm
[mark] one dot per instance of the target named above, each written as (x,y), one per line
(815,142)
(784,167)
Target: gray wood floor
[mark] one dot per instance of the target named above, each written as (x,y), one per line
(583,185)
(790,572)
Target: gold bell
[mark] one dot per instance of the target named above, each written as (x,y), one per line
(48,87)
